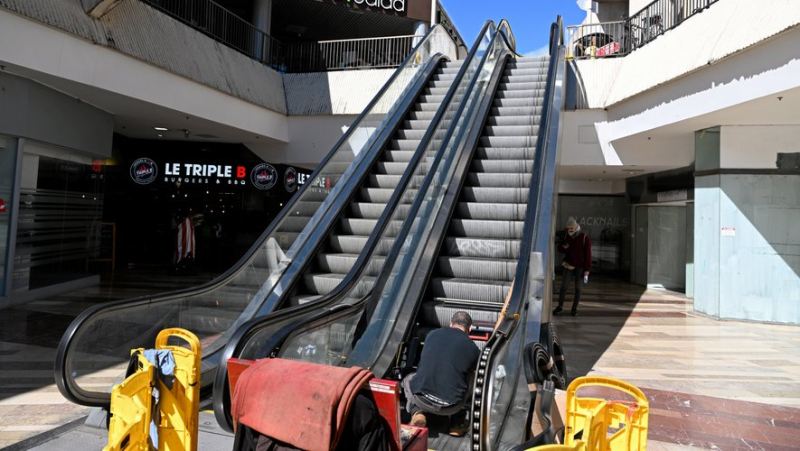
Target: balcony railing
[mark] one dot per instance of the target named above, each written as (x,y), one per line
(348,54)
(233,31)
(610,39)
(223,26)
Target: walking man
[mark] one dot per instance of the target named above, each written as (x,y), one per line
(577,263)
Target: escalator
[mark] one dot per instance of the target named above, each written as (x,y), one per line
(298,258)
(477,260)
(338,254)
(482,218)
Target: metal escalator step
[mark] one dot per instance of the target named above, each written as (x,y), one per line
(476,228)
(352,244)
(439,311)
(498,180)
(476,268)
(404,144)
(410,134)
(528,101)
(321,283)
(376,195)
(399,156)
(336,263)
(513,120)
(384,180)
(366,210)
(516,111)
(518,93)
(431,98)
(510,130)
(426,106)
(507,141)
(303,299)
(534,86)
(421,115)
(391,167)
(473,247)
(520,79)
(496,195)
(470,290)
(502,166)
(505,153)
(491,211)
(436,90)
(524,71)
(357,226)
(417,124)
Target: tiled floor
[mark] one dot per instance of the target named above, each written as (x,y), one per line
(711,384)
(30,403)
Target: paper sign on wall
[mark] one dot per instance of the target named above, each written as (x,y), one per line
(729,231)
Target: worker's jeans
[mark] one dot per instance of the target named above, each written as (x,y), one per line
(569,274)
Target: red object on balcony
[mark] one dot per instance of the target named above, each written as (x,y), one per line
(2,206)
(608,49)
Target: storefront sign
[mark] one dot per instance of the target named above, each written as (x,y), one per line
(672,196)
(144,171)
(264,176)
(395,5)
(729,231)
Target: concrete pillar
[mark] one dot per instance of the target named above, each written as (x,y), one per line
(747,211)
(420,28)
(262,20)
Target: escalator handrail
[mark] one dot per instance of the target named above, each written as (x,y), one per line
(533,236)
(66,384)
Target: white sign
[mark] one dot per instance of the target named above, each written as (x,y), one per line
(729,231)
(397,5)
(672,196)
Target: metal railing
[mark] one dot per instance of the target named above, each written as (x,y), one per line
(610,39)
(224,26)
(348,53)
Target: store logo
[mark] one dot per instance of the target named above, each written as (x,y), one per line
(264,176)
(290,179)
(144,171)
(397,5)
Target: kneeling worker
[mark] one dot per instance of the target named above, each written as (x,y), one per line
(442,383)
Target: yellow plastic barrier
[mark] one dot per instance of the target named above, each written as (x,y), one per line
(577,446)
(177,407)
(594,417)
(131,405)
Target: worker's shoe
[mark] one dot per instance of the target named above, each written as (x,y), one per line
(419,420)
(458,427)
(574,312)
(558,311)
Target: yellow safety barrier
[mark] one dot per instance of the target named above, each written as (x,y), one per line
(131,406)
(177,409)
(605,424)
(577,446)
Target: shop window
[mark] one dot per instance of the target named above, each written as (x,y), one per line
(8,154)
(60,212)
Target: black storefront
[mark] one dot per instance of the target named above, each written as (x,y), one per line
(229,194)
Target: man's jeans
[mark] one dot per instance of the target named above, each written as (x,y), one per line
(577,274)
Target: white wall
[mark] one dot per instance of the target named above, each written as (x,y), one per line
(33,48)
(757,147)
(310,140)
(580,147)
(336,92)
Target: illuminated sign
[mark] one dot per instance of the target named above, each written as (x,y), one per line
(396,5)
(264,176)
(144,171)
